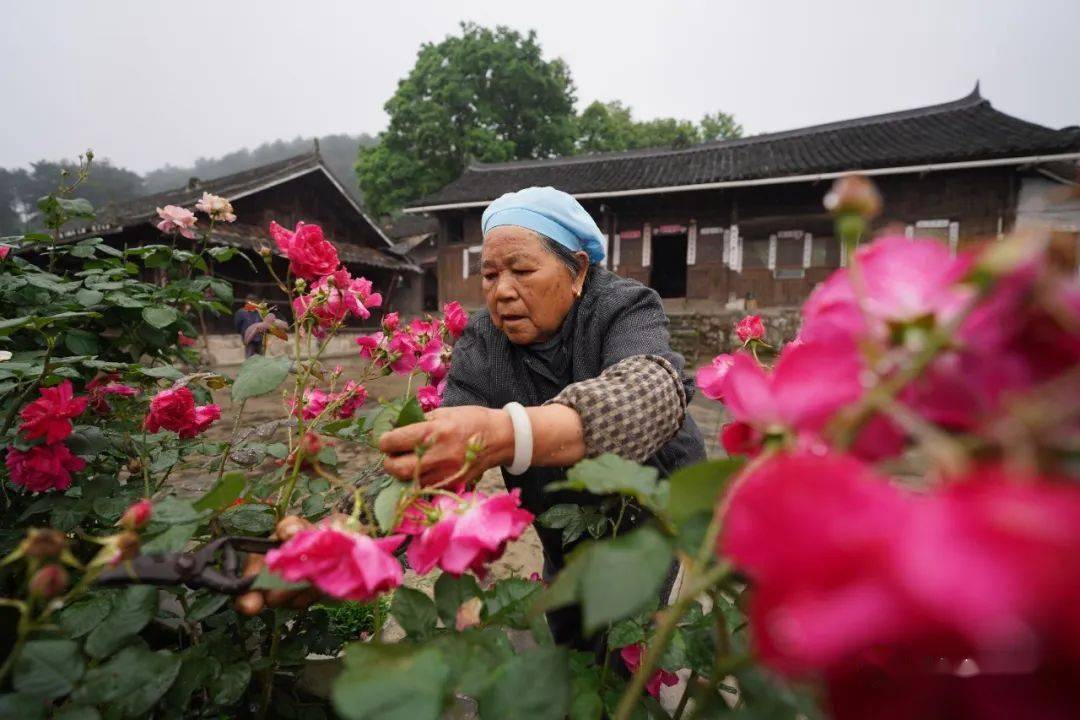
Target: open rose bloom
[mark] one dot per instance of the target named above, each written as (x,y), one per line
(951,591)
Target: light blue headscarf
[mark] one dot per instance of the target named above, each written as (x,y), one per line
(549,212)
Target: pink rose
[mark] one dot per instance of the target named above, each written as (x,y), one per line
(463,534)
(402,351)
(631,656)
(435,360)
(710,379)
(750,328)
(429,397)
(370,345)
(341,563)
(312,403)
(216,207)
(390,322)
(310,254)
(333,297)
(184,340)
(43,467)
(424,330)
(178,219)
(4,250)
(50,415)
(355,396)
(455,318)
(175,410)
(102,386)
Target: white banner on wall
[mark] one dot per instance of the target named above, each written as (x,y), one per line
(772,252)
(735,250)
(691,243)
(646,245)
(807,250)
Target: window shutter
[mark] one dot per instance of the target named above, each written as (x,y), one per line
(735,250)
(954,237)
(807,250)
(725,251)
(646,245)
(465,263)
(691,243)
(772,252)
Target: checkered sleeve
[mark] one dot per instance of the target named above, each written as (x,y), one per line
(631,409)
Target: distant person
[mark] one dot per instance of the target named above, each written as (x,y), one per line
(251,327)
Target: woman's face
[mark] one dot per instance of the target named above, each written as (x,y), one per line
(528,289)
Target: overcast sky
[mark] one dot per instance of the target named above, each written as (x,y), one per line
(147,83)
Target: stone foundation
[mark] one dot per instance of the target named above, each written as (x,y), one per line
(228,350)
(700,336)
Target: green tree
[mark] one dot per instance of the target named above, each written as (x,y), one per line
(486,95)
(610,126)
(720,126)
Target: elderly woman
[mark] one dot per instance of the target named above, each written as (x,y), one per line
(569,361)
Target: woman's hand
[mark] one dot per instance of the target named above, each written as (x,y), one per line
(253,602)
(447,434)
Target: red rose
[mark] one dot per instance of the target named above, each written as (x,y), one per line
(750,328)
(43,467)
(175,410)
(49,415)
(312,256)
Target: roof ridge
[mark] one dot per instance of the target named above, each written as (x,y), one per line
(972,99)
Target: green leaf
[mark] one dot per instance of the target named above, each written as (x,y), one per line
(77,712)
(163,372)
(87,441)
(625,632)
(222,253)
(173,539)
(386,504)
(410,413)
(450,592)
(15,706)
(612,579)
(624,576)
(131,682)
(224,492)
(130,613)
(12,324)
(532,686)
(85,614)
(48,668)
(174,511)
(612,474)
(249,519)
(697,488)
(164,459)
(259,375)
(508,602)
(392,682)
(384,420)
(88,298)
(205,605)
(228,687)
(82,342)
(414,611)
(267,580)
(160,316)
(567,517)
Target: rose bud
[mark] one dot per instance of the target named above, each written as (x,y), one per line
(117,549)
(44,543)
(49,582)
(854,195)
(136,516)
(134,466)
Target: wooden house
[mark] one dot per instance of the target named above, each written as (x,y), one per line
(722,223)
(300,188)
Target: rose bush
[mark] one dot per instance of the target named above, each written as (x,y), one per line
(893,534)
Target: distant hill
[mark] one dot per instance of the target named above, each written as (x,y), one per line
(339,152)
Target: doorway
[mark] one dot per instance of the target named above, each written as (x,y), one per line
(430,285)
(668,276)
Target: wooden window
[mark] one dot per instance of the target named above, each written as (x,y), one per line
(755,253)
(948,231)
(824,252)
(789,249)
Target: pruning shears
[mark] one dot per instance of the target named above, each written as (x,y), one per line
(215,565)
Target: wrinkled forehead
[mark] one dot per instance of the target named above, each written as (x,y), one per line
(506,243)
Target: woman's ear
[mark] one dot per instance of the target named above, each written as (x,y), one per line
(583,270)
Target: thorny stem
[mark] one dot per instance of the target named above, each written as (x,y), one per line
(232,439)
(268,674)
(51,341)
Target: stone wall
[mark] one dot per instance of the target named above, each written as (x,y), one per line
(700,336)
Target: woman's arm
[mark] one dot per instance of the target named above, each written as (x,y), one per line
(631,409)
(558,441)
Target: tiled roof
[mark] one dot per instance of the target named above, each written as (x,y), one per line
(144,210)
(961,130)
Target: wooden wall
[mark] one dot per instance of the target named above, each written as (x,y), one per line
(976,199)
